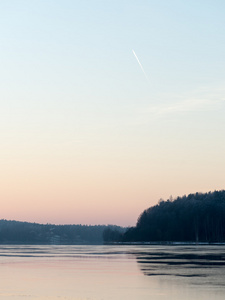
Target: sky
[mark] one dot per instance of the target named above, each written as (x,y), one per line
(108,106)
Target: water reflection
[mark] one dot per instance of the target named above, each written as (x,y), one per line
(112,272)
(198,264)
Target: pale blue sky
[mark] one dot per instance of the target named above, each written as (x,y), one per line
(81,127)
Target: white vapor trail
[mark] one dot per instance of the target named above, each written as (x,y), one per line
(140,65)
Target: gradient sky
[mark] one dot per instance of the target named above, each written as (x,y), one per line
(85,137)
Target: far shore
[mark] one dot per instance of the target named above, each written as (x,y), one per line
(166,243)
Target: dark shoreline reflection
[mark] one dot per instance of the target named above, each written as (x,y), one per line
(199,263)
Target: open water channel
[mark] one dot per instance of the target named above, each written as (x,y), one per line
(112,272)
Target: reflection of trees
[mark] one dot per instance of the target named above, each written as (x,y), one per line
(182,261)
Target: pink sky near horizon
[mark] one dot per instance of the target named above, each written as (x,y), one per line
(103,193)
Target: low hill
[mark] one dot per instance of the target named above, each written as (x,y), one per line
(197,217)
(14,232)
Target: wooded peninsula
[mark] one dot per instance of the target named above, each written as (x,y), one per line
(198,217)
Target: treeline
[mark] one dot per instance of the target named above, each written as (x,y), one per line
(14,232)
(194,218)
(198,217)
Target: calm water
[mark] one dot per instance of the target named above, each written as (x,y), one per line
(112,272)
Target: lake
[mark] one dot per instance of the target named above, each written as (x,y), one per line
(112,272)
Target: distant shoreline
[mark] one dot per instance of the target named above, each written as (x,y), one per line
(115,244)
(165,243)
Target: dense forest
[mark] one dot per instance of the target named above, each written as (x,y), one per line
(14,232)
(194,218)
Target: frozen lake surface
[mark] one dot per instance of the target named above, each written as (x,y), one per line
(112,272)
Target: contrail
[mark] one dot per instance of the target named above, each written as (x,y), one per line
(140,65)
